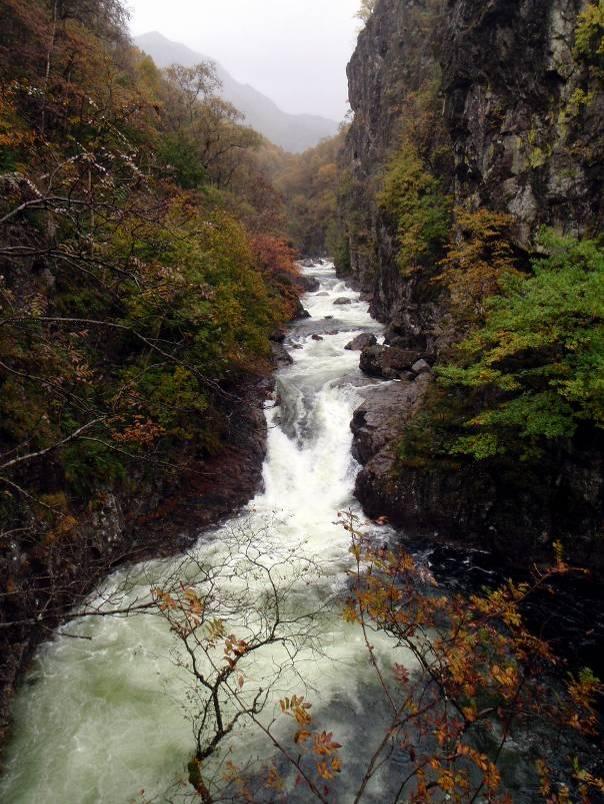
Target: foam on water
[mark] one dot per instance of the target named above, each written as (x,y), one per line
(99,720)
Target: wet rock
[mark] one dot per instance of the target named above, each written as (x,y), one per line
(398,334)
(343,301)
(301,312)
(278,336)
(363,341)
(308,283)
(388,362)
(381,416)
(421,367)
(316,337)
(281,356)
(329,318)
(400,341)
(322,293)
(108,521)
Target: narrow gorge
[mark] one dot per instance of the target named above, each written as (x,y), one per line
(302,454)
(475,125)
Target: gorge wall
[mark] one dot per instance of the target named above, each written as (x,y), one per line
(507,117)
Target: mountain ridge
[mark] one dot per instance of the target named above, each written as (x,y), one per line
(293,132)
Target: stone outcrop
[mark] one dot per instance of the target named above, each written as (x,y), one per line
(521,144)
(382,417)
(306,283)
(393,59)
(361,342)
(392,362)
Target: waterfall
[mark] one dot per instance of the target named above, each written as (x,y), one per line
(102,714)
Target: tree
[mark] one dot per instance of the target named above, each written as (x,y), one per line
(473,675)
(194,84)
(535,367)
(133,313)
(309,183)
(479,258)
(366,10)
(415,200)
(231,613)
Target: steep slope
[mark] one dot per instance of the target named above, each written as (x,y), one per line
(490,113)
(525,139)
(295,133)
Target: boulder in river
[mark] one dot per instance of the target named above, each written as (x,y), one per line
(343,300)
(380,415)
(278,336)
(363,341)
(308,283)
(317,337)
(388,362)
(301,312)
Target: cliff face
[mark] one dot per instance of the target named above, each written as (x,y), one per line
(523,141)
(524,127)
(393,60)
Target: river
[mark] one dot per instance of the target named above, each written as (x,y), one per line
(100,719)
(104,713)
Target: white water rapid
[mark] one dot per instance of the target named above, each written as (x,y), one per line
(99,720)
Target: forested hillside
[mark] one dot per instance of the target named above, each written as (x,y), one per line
(471,212)
(309,184)
(143,274)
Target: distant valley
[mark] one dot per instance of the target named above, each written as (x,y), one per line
(293,132)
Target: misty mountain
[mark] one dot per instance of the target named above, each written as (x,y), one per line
(294,132)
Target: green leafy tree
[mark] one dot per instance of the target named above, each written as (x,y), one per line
(589,36)
(536,367)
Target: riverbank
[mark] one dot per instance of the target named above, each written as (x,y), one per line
(165,517)
(114,677)
(168,514)
(572,618)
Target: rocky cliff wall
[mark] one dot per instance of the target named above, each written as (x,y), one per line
(523,139)
(395,58)
(524,127)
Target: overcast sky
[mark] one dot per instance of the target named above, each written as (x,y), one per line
(295,51)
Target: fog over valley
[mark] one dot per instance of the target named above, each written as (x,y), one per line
(295,53)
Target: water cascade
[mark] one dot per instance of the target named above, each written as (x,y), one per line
(99,720)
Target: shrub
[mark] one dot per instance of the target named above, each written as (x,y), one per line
(480,254)
(415,200)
